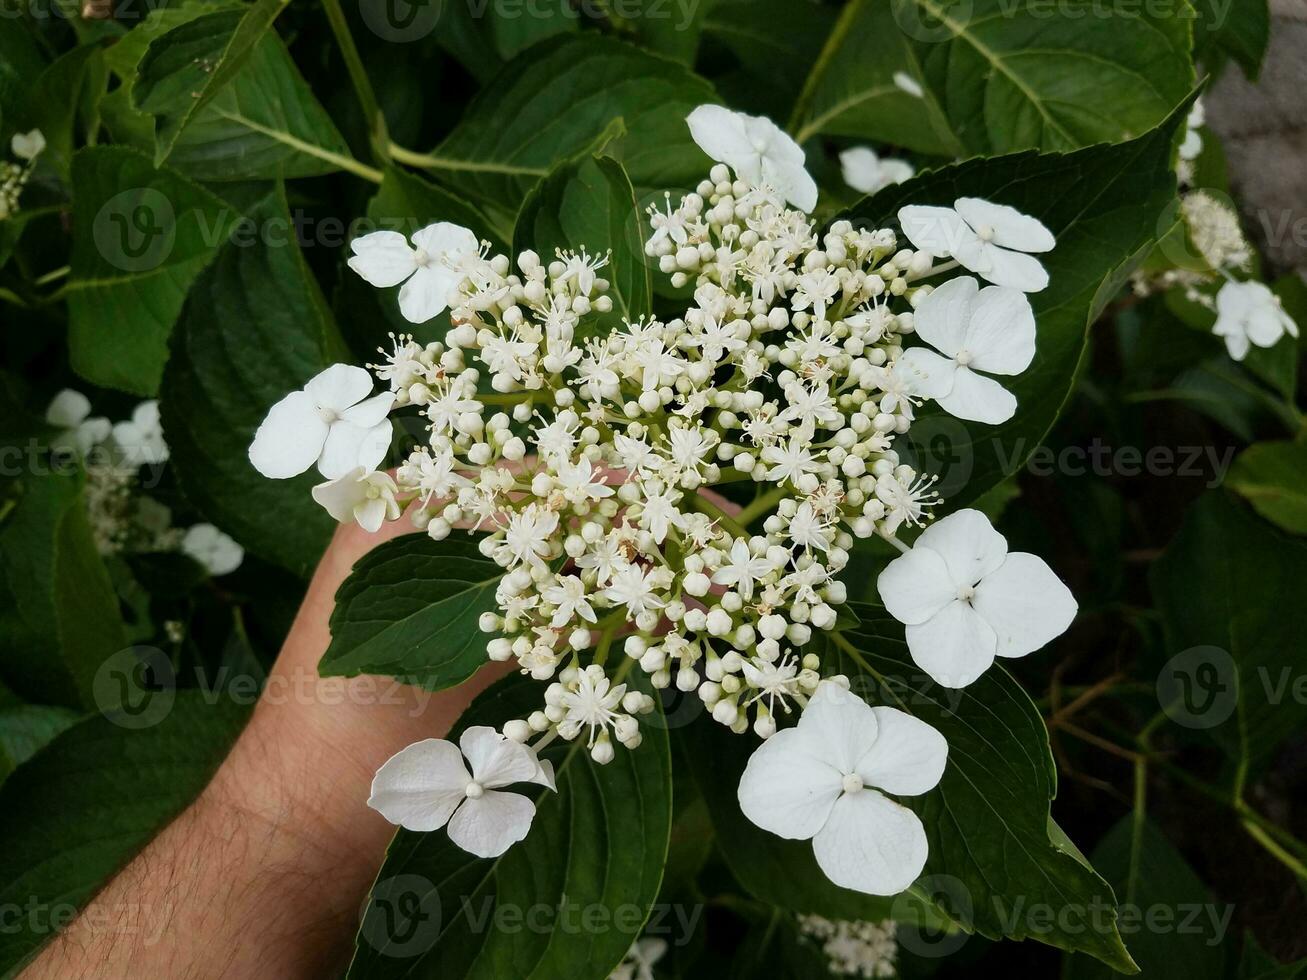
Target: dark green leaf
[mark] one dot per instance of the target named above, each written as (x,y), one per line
(141,237)
(26,728)
(1229,589)
(185,69)
(1272,476)
(410,609)
(998,77)
(1169,920)
(1238,28)
(554,101)
(997,864)
(59,621)
(254,329)
(589,202)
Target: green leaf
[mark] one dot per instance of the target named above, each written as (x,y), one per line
(594,854)
(998,77)
(26,728)
(515,27)
(669,28)
(589,201)
(184,70)
(996,860)
(1240,29)
(1272,476)
(59,621)
(55,99)
(554,101)
(80,809)
(141,236)
(266,123)
(768,66)
(254,329)
(410,608)
(1168,917)
(1228,588)
(1102,204)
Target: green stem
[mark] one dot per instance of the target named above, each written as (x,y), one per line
(761,506)
(433,162)
(53,276)
(359,78)
(340,160)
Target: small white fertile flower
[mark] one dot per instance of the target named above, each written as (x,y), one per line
(990,240)
(855,949)
(826,780)
(362,496)
(867,172)
(429,268)
(141,438)
(965,600)
(218,553)
(1249,313)
(638,963)
(758,151)
(427,785)
(990,329)
(331,422)
(27,146)
(70,412)
(742,569)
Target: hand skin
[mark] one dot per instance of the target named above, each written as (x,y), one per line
(265,874)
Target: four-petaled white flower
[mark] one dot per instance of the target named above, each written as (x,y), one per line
(866,172)
(826,778)
(757,150)
(331,422)
(141,438)
(70,412)
(990,329)
(965,600)
(27,146)
(991,240)
(360,495)
(217,552)
(1249,313)
(427,785)
(429,269)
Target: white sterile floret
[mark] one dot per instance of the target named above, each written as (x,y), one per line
(1249,313)
(990,330)
(966,600)
(331,422)
(638,963)
(827,780)
(757,150)
(362,496)
(213,549)
(141,438)
(70,413)
(427,786)
(991,240)
(867,172)
(430,268)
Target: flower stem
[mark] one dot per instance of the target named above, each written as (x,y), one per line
(705,506)
(358,76)
(760,506)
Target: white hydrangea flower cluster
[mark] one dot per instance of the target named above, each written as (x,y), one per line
(586,448)
(584,460)
(854,949)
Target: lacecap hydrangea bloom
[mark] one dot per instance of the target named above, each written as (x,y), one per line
(586,462)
